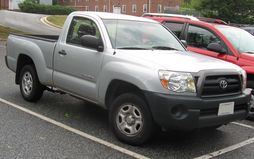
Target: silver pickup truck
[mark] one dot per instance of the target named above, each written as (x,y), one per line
(135,68)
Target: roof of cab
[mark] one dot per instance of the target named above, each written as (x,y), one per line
(106,15)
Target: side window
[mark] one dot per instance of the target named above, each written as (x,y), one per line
(175,27)
(79,27)
(200,37)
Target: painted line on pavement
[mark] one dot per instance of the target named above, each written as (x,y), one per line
(78,132)
(243,125)
(230,148)
(49,24)
(227,149)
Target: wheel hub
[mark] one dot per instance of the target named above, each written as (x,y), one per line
(27,83)
(129,120)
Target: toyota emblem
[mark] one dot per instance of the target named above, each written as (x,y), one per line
(223,84)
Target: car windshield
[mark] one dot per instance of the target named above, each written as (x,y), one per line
(241,39)
(139,35)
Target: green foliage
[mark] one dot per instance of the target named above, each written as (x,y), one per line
(54,2)
(57,19)
(31,6)
(234,11)
(5,31)
(191,4)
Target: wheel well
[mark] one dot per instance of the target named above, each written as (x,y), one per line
(22,61)
(118,87)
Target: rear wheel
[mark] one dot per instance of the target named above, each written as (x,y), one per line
(130,119)
(30,87)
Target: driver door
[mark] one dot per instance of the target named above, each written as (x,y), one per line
(76,67)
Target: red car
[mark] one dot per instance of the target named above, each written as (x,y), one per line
(218,40)
(214,38)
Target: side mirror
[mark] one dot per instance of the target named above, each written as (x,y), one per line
(216,48)
(92,42)
(184,43)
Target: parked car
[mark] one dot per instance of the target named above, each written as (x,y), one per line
(213,38)
(135,68)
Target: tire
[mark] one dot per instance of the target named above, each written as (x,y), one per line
(251,117)
(130,119)
(30,87)
(251,113)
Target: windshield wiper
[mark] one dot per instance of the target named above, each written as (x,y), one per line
(133,48)
(163,48)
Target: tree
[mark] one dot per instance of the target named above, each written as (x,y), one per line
(234,11)
(191,4)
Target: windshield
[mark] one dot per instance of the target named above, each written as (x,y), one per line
(140,35)
(241,39)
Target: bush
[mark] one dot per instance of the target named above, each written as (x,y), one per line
(30,6)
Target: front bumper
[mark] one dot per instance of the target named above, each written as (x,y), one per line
(188,112)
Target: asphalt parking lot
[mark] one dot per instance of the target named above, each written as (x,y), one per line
(60,126)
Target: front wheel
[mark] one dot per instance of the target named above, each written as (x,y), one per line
(30,87)
(130,119)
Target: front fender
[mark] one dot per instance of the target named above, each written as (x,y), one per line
(142,77)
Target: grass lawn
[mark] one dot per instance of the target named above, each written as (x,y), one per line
(5,31)
(57,19)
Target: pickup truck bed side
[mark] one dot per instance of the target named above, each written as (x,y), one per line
(40,51)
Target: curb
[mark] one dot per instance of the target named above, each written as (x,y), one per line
(48,23)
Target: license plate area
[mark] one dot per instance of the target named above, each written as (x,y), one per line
(226,108)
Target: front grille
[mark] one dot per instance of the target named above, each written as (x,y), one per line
(214,111)
(212,85)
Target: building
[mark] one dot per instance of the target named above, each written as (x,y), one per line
(46,2)
(131,7)
(4,4)
(14,4)
(10,4)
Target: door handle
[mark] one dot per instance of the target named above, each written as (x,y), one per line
(63,52)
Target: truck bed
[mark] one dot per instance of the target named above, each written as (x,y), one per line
(39,47)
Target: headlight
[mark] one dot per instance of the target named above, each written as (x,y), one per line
(177,81)
(244,75)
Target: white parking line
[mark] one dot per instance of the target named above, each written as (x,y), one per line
(227,149)
(244,125)
(93,138)
(230,148)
